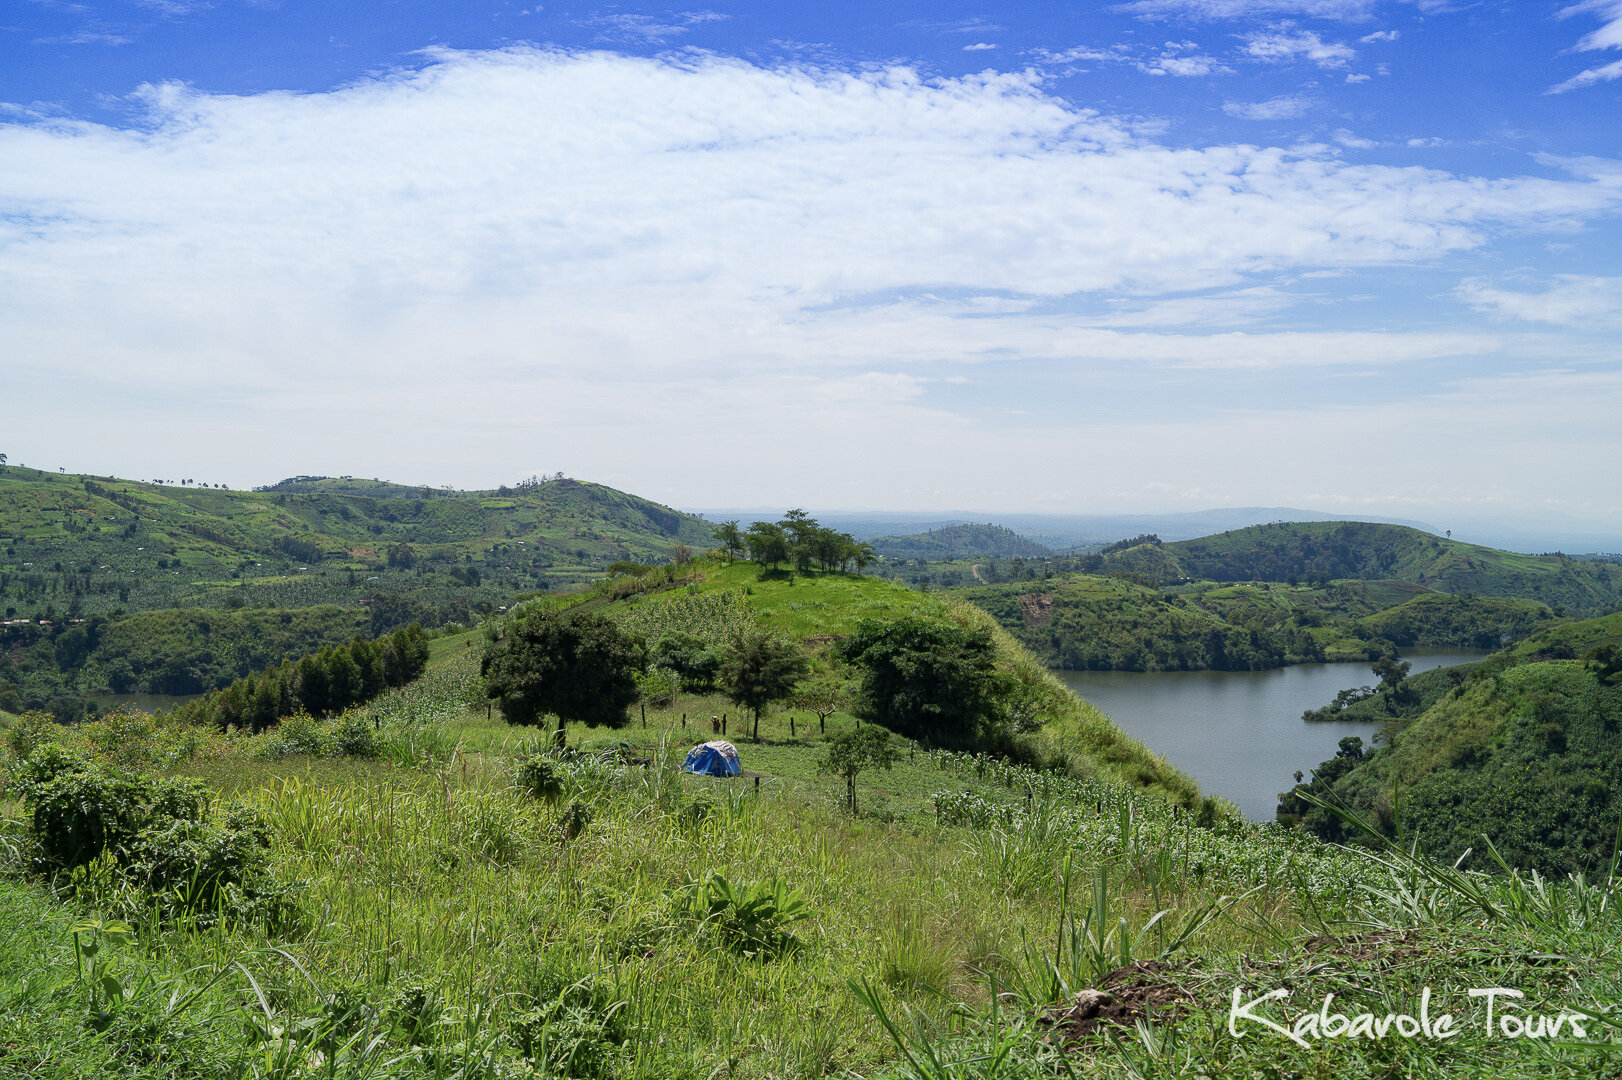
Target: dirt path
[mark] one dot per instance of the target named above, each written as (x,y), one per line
(974,568)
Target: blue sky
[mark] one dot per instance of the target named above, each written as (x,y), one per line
(1157,255)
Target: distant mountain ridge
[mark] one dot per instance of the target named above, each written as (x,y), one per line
(1067,532)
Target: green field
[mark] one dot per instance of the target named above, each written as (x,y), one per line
(440,918)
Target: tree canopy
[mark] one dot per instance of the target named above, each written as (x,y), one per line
(577,667)
(926,679)
(760,669)
(852,751)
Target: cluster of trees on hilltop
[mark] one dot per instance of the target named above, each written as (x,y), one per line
(797,539)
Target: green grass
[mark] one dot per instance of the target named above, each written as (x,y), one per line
(437,875)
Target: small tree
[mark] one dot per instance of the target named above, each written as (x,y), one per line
(849,753)
(760,669)
(578,668)
(823,695)
(731,538)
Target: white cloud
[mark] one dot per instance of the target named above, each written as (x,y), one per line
(1346,10)
(979,46)
(1354,142)
(1609,12)
(1379,35)
(1286,45)
(622,266)
(1591,77)
(1175,58)
(1284,107)
(1574,300)
(1353,80)
(85,37)
(1608,36)
(650,28)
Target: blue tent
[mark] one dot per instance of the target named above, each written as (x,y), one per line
(715,758)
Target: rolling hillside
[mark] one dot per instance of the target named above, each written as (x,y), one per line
(1321,552)
(1101,622)
(959,541)
(1523,749)
(86,544)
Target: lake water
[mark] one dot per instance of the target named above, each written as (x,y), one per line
(1240,733)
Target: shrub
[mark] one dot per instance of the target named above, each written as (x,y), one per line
(31,731)
(573,821)
(134,841)
(752,918)
(537,776)
(572,1030)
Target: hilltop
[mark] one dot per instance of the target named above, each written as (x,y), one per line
(959,541)
(1321,552)
(88,544)
(715,601)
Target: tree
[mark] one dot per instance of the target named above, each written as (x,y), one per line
(731,539)
(823,695)
(760,669)
(694,662)
(576,667)
(768,544)
(926,679)
(851,752)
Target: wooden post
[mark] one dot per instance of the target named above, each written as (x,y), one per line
(644,714)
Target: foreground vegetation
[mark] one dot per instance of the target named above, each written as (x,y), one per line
(636,922)
(436,896)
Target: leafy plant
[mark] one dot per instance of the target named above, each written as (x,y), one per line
(752,918)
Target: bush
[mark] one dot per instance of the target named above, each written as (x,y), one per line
(572,1030)
(537,776)
(573,821)
(32,730)
(132,841)
(752,918)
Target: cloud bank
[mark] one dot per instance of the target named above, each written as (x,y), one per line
(527,258)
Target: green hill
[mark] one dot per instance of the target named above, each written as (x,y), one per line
(1095,622)
(1521,749)
(959,541)
(1324,551)
(84,544)
(715,601)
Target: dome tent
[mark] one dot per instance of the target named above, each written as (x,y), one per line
(715,758)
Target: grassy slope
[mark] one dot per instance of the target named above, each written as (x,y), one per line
(815,609)
(1522,748)
(1330,550)
(111,534)
(430,870)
